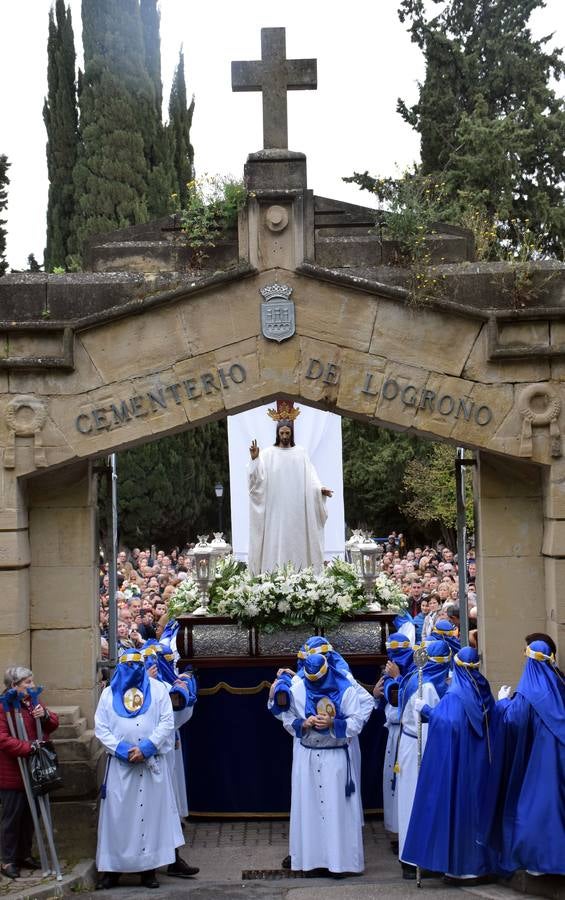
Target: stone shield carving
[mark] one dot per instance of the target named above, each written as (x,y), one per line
(277,312)
(546,414)
(25,417)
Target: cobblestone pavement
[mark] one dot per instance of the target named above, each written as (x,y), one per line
(241,860)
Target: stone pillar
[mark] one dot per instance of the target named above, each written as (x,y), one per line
(65,638)
(276,228)
(510,565)
(554,554)
(14,572)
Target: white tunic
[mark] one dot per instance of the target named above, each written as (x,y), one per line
(178,777)
(407,777)
(287,511)
(325,825)
(138,827)
(390,796)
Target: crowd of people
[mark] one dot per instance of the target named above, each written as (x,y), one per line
(145,580)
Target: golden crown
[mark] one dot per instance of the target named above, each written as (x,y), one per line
(285,410)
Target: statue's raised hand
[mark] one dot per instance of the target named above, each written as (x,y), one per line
(254,449)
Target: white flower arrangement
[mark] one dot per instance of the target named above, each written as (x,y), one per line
(287,596)
(185,599)
(389,596)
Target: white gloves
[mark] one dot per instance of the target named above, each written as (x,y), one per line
(505,692)
(419,704)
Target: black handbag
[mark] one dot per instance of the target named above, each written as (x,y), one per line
(44,772)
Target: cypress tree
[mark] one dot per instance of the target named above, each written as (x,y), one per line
(490,122)
(161,179)
(166,488)
(117,121)
(4,182)
(61,121)
(180,121)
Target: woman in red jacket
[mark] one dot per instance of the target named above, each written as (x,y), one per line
(16,825)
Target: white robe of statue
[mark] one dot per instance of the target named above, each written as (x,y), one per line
(287,511)
(326,827)
(139,826)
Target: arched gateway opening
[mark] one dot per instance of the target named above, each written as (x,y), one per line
(299,304)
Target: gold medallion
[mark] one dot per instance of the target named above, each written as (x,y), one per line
(133,699)
(324,706)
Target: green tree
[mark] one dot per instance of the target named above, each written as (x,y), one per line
(374,462)
(117,121)
(161,182)
(429,492)
(4,182)
(166,488)
(61,122)
(180,121)
(490,121)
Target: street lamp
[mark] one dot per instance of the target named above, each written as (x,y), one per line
(219,491)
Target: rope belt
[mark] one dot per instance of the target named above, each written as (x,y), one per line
(349,783)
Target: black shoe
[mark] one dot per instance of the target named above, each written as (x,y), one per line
(149,879)
(107,880)
(30,863)
(316,873)
(10,870)
(286,863)
(181,869)
(408,872)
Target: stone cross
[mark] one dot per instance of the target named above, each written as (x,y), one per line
(274,75)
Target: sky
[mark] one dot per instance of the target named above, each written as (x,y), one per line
(365,62)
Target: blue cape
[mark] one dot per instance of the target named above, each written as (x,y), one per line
(403,655)
(435,672)
(163,657)
(446,813)
(186,688)
(331,684)
(401,619)
(169,633)
(542,687)
(130,673)
(523,818)
(444,630)
(319,644)
(472,688)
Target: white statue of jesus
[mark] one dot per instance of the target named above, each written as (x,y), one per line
(287,503)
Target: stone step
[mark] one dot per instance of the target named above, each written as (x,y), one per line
(77,748)
(81,778)
(74,730)
(68,715)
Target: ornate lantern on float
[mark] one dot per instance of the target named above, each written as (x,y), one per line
(203,570)
(352,549)
(220,547)
(370,554)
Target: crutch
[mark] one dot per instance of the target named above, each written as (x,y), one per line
(420,660)
(55,867)
(34,696)
(6,699)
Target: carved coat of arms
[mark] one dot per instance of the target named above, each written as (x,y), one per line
(277,312)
